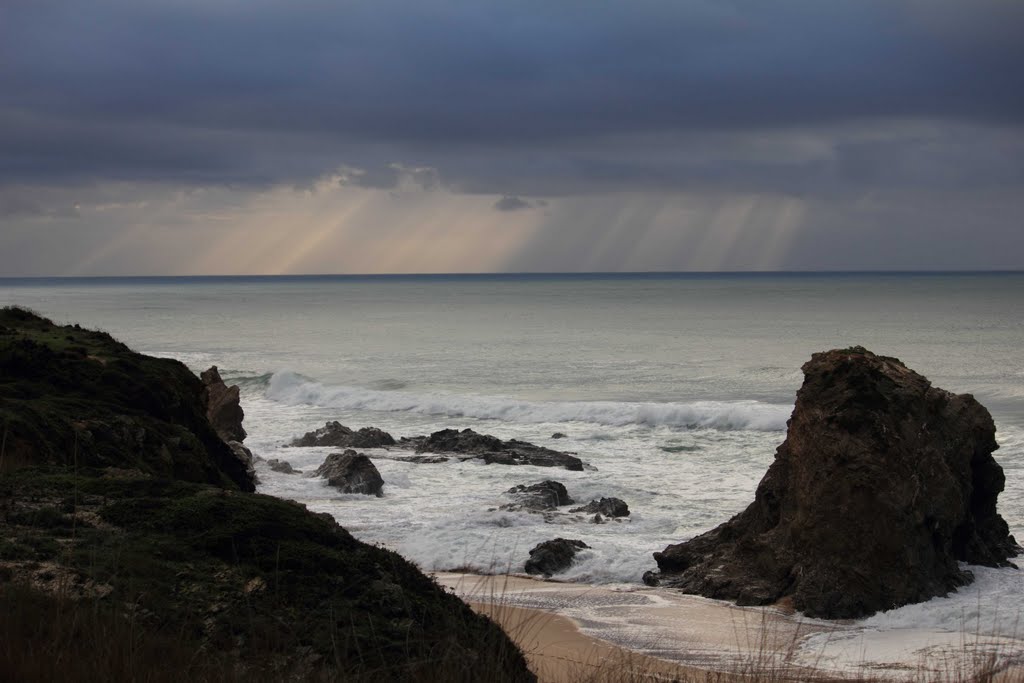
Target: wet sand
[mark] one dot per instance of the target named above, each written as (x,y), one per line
(653,634)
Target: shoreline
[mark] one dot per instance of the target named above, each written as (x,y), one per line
(577,632)
(694,637)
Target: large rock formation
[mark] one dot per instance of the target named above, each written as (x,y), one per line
(883,485)
(223,408)
(336,435)
(352,472)
(491,449)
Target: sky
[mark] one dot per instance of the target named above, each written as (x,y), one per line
(183,137)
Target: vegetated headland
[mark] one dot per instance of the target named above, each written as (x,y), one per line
(132,545)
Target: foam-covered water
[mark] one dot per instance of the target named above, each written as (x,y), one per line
(676,389)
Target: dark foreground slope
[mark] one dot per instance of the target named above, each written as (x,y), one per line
(118,562)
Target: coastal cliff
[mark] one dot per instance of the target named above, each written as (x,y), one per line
(131,538)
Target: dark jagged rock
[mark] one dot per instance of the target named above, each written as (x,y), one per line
(558,435)
(554,556)
(223,408)
(336,435)
(547,495)
(352,472)
(491,449)
(282,466)
(608,507)
(883,484)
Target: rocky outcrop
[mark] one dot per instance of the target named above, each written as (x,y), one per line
(75,396)
(554,556)
(352,472)
(606,507)
(883,484)
(336,435)
(546,495)
(223,409)
(491,449)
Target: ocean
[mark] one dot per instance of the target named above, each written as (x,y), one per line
(674,388)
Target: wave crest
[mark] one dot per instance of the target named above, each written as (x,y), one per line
(294,389)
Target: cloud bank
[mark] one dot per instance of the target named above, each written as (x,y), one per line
(914,108)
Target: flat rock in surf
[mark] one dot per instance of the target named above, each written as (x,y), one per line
(336,435)
(491,449)
(352,472)
(546,495)
(883,484)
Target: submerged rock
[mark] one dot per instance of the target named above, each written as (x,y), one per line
(883,484)
(547,495)
(608,507)
(352,472)
(336,435)
(282,466)
(491,449)
(558,435)
(422,459)
(554,556)
(222,406)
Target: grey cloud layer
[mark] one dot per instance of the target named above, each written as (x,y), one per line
(513,98)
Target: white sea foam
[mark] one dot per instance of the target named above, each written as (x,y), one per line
(294,389)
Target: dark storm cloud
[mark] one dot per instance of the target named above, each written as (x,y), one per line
(509,98)
(508,203)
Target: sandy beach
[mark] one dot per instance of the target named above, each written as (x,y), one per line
(652,634)
(640,633)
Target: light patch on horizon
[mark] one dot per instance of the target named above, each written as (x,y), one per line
(328,228)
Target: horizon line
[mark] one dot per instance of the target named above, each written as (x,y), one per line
(501,274)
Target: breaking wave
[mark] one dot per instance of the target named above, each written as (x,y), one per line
(294,389)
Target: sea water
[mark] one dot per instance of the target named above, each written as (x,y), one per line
(675,389)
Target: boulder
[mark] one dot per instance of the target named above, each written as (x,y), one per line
(223,409)
(352,472)
(558,435)
(547,495)
(554,556)
(491,449)
(336,435)
(282,466)
(608,507)
(882,486)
